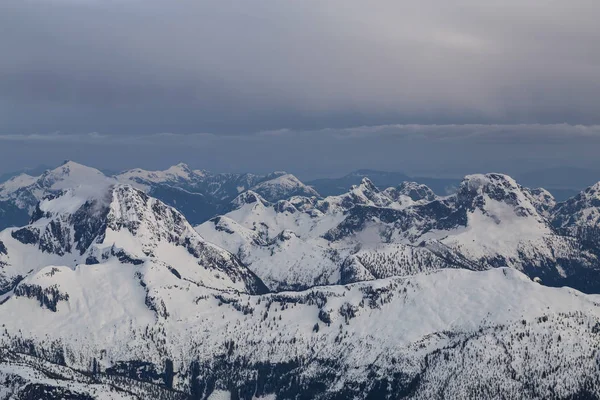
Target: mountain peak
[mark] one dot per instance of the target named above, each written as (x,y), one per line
(16,183)
(480,181)
(282,187)
(143,179)
(248,197)
(365,185)
(366,193)
(69,166)
(366,181)
(275,174)
(495,185)
(416,191)
(478,190)
(125,225)
(71,175)
(179,168)
(593,191)
(582,210)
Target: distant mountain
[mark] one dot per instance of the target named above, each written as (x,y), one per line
(28,171)
(562,182)
(283,187)
(198,194)
(563,194)
(201,194)
(336,186)
(579,216)
(20,194)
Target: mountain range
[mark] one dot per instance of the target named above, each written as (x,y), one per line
(198,194)
(202,194)
(384,179)
(119,288)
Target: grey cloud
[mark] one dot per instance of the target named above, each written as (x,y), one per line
(487,133)
(314,87)
(132,67)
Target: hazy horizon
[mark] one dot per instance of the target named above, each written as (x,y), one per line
(559,178)
(316,88)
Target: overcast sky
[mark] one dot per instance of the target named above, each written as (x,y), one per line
(315,87)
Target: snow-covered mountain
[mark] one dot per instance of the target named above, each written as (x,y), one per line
(115,225)
(491,221)
(109,293)
(382,179)
(201,194)
(580,215)
(221,187)
(454,333)
(27,190)
(286,242)
(282,187)
(198,194)
(20,194)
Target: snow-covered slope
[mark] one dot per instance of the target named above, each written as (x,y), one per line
(280,242)
(491,221)
(283,261)
(322,342)
(29,377)
(501,221)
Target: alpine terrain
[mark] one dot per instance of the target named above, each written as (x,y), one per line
(186,284)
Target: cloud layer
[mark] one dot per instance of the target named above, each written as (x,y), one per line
(316,87)
(438,150)
(132,66)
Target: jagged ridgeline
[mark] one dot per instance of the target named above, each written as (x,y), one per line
(198,194)
(109,292)
(491,221)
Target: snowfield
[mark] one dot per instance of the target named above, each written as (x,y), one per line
(414,317)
